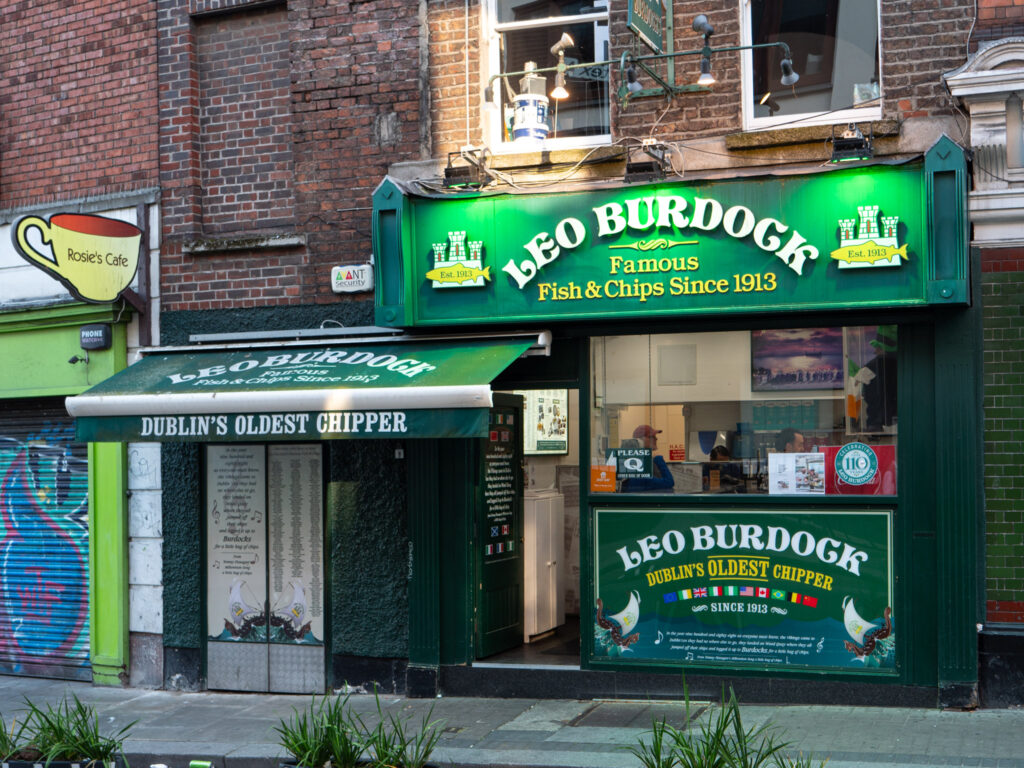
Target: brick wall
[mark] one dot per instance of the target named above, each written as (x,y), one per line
(1003,296)
(352,92)
(245,146)
(77,99)
(920,41)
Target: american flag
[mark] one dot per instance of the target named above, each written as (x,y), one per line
(746,591)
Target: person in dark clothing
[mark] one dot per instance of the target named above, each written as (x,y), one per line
(661,479)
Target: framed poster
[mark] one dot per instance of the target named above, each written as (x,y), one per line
(767,589)
(795,359)
(546,421)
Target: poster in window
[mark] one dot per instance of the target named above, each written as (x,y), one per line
(783,588)
(546,421)
(796,359)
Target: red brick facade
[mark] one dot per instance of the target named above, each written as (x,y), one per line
(328,95)
(77,100)
(920,41)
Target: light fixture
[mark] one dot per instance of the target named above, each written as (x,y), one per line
(559,92)
(851,145)
(652,168)
(565,41)
(789,77)
(633,84)
(706,78)
(630,67)
(76,359)
(702,26)
(772,104)
(467,176)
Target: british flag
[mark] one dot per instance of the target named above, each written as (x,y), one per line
(700,592)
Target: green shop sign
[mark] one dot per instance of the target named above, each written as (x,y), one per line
(865,237)
(761,589)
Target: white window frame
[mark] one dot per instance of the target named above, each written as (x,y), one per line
(491,118)
(857,114)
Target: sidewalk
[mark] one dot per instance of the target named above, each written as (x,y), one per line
(237,730)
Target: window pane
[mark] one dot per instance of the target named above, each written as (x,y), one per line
(807,411)
(528,10)
(585,112)
(835,52)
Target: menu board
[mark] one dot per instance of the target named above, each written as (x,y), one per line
(546,424)
(499,487)
(236,542)
(294,481)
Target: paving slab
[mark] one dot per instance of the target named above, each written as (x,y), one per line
(237,730)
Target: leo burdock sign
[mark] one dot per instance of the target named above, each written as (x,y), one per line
(768,589)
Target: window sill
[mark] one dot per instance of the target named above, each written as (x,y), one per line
(211,245)
(509,157)
(807,134)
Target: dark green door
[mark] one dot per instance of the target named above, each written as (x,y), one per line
(499,531)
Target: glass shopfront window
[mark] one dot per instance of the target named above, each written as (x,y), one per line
(806,412)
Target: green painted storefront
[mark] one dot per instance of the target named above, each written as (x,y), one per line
(92,639)
(714,256)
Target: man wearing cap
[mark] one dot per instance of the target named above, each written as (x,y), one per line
(662,479)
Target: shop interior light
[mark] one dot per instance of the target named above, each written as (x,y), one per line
(768,101)
(851,145)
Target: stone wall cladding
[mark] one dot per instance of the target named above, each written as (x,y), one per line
(77,100)
(353,94)
(1003,296)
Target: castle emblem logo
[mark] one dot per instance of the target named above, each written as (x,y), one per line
(458,264)
(871,248)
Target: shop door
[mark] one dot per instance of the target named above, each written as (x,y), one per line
(264,566)
(44,545)
(499,532)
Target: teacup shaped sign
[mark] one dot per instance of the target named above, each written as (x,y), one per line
(93,256)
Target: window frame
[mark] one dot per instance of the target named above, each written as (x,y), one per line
(492,30)
(871,111)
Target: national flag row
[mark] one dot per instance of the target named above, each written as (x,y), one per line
(500,548)
(499,530)
(763,592)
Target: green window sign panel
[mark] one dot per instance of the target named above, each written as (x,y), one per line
(827,241)
(646,19)
(764,589)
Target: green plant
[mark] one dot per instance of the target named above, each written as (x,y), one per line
(656,752)
(720,742)
(69,731)
(306,735)
(346,735)
(396,743)
(10,740)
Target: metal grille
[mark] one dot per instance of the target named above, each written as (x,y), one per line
(44,543)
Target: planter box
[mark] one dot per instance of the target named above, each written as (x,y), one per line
(60,764)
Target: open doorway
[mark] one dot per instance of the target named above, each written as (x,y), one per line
(551,533)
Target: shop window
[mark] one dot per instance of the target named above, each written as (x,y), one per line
(806,412)
(835,49)
(521,35)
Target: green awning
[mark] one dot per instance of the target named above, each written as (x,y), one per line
(343,391)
